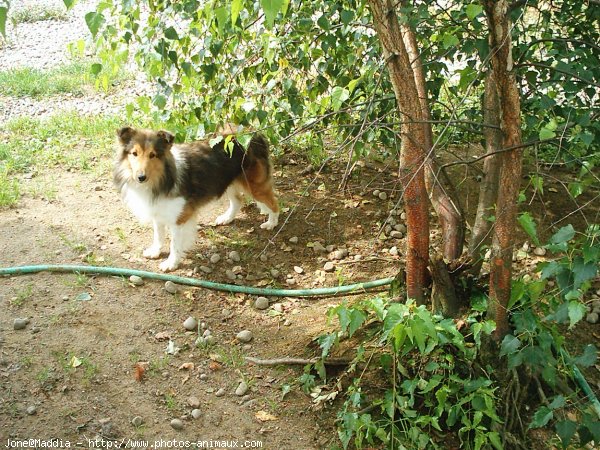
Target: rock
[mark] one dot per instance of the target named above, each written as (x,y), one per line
(396,234)
(402,215)
(196,413)
(526,247)
(31,410)
(293,240)
(205,269)
(220,393)
(241,389)
(387,229)
(339,254)
(275,273)
(278,307)
(20,324)
(206,333)
(592,317)
(318,247)
(194,402)
(329,267)
(400,227)
(137,421)
(539,251)
(298,269)
(394,251)
(177,424)
(190,324)
(244,336)
(237,270)
(382,196)
(135,280)
(376,193)
(261,303)
(234,256)
(230,275)
(215,258)
(171,287)
(264,258)
(203,376)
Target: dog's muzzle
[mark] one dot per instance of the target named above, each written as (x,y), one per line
(141,178)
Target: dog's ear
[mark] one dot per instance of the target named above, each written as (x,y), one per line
(125,134)
(166,137)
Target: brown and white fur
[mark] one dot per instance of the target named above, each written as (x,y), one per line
(166,183)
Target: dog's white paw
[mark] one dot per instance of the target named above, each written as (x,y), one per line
(168,265)
(223,219)
(268,225)
(152,252)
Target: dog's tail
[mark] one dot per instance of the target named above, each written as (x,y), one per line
(258,152)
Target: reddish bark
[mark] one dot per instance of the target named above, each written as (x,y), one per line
(413,151)
(510,172)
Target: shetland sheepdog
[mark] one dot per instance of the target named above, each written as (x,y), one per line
(166,183)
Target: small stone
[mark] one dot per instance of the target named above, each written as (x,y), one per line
(376,193)
(382,196)
(387,229)
(402,215)
(220,393)
(226,313)
(171,287)
(203,376)
(137,421)
(400,227)
(177,424)
(293,240)
(244,336)
(234,256)
(278,307)
(206,333)
(330,248)
(298,269)
(20,324)
(394,251)
(340,254)
(275,273)
(237,270)
(290,281)
(35,329)
(215,258)
(205,269)
(329,267)
(526,247)
(241,389)
(592,317)
(539,251)
(135,280)
(264,258)
(65,298)
(261,303)
(196,413)
(230,275)
(318,247)
(396,234)
(31,410)
(190,324)
(194,402)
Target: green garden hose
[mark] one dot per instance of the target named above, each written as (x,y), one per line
(345,289)
(117,271)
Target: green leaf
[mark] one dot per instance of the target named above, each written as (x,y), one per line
(566,430)
(160,101)
(510,344)
(3,14)
(449,40)
(588,357)
(94,21)
(214,141)
(546,134)
(583,271)
(558,402)
(344,317)
(222,15)
(96,69)
(528,224)
(338,96)
(346,16)
(69,3)
(576,312)
(236,7)
(357,318)
(171,33)
(541,417)
(565,234)
(326,342)
(473,10)
(271,9)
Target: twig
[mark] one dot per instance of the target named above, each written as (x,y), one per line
(297,361)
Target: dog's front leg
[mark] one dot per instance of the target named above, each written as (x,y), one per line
(182,239)
(153,251)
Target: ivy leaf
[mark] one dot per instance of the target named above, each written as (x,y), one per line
(473,10)
(271,8)
(357,318)
(541,417)
(94,21)
(588,357)
(510,344)
(576,312)
(528,224)
(338,96)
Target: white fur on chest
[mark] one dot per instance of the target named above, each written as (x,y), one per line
(147,208)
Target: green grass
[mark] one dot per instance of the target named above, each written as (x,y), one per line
(37,13)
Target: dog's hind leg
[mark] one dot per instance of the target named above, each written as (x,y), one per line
(153,251)
(183,238)
(235,204)
(267,202)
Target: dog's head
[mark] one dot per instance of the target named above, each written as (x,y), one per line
(145,152)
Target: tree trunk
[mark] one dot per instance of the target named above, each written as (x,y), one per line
(510,172)
(412,149)
(441,191)
(488,192)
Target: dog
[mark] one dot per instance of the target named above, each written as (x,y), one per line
(166,183)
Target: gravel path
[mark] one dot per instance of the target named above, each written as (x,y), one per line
(43,45)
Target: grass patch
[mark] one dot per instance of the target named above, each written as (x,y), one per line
(37,13)
(9,188)
(74,78)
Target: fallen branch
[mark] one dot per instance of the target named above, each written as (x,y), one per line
(297,361)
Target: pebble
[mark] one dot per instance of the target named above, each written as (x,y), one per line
(339,254)
(241,389)
(237,270)
(376,193)
(244,336)
(137,421)
(196,413)
(190,324)
(261,303)
(171,287)
(329,267)
(205,269)
(298,269)
(278,307)
(234,256)
(294,240)
(264,258)
(318,247)
(206,333)
(275,273)
(382,196)
(539,251)
(215,258)
(135,280)
(402,215)
(20,324)
(220,392)
(394,251)
(592,317)
(177,424)
(31,410)
(230,275)
(400,227)
(396,234)
(203,376)
(194,402)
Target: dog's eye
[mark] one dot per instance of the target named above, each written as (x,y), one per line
(152,155)
(134,153)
